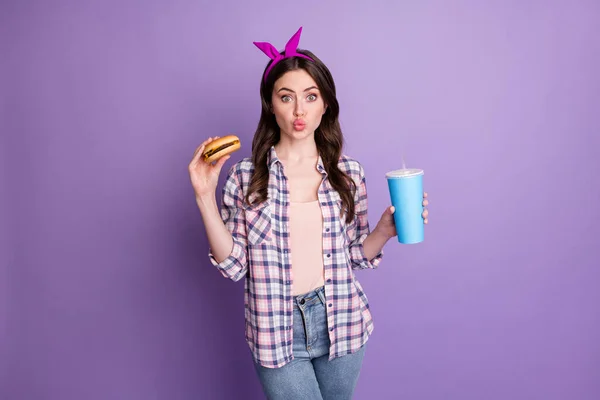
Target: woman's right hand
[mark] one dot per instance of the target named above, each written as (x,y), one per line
(205,176)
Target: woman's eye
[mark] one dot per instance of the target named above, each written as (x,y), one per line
(286,99)
(312,97)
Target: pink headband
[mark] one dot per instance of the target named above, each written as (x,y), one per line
(290,51)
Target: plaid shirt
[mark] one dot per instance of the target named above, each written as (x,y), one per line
(261,254)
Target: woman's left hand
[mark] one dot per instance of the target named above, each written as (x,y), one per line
(386,225)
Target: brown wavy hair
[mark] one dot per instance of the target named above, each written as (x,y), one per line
(328,136)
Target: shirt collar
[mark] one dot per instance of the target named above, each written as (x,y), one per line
(272,159)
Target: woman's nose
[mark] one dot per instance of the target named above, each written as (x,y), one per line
(299,110)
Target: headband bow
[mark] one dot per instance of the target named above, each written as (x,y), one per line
(273,53)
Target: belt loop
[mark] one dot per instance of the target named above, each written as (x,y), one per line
(297,300)
(321,294)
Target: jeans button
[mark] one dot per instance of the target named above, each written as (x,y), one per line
(302,301)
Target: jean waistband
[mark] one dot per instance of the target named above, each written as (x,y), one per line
(313,297)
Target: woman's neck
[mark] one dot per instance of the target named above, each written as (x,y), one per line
(296,150)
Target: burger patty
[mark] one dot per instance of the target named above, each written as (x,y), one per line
(223,146)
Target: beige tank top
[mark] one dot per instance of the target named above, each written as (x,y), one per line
(306,241)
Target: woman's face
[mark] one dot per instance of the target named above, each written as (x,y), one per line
(297,104)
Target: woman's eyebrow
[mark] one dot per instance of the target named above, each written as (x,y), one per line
(290,90)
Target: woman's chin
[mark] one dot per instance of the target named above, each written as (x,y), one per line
(299,134)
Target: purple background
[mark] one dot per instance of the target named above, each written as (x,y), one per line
(106,289)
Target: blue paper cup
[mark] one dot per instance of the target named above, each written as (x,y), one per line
(406,193)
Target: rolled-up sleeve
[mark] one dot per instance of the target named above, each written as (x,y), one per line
(357,252)
(235,266)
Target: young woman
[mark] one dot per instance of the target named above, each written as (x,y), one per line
(293,223)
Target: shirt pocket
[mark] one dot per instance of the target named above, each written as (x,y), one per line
(346,229)
(258,223)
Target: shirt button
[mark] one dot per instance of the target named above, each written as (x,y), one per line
(328,255)
(327,230)
(330,305)
(323,204)
(328,280)
(330,329)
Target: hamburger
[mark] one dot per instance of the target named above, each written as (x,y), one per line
(220,147)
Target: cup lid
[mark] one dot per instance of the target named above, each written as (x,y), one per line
(404,173)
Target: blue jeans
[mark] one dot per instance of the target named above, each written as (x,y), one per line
(311,376)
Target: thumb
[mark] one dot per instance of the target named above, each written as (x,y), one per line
(390,210)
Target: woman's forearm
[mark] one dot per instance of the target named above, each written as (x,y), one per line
(219,238)
(374,243)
